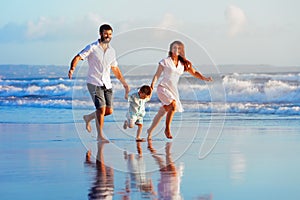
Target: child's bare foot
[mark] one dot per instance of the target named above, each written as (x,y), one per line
(140,140)
(125,125)
(168,134)
(87,123)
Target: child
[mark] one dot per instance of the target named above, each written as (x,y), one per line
(136,110)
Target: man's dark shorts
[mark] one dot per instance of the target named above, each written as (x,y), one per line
(102,97)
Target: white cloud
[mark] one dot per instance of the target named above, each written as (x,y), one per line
(236,19)
(63,28)
(44,27)
(170,22)
(93,20)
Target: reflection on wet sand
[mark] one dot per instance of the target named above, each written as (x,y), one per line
(138,179)
(137,182)
(103,185)
(170,175)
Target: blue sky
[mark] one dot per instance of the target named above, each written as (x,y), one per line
(231,32)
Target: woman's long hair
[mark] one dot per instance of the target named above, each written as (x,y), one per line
(186,63)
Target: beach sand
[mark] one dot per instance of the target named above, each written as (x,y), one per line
(255,158)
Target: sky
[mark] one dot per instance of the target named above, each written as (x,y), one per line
(256,32)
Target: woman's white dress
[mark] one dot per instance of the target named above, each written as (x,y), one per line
(167,90)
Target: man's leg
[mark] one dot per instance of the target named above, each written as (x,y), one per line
(108,111)
(88,118)
(100,113)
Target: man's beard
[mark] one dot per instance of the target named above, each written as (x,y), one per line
(104,40)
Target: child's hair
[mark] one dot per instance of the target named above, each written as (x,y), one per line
(146,89)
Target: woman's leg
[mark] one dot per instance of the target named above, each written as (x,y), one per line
(170,113)
(155,121)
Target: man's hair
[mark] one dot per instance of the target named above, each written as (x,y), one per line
(105,27)
(146,89)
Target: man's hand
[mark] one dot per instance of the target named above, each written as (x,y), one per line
(127,89)
(70,73)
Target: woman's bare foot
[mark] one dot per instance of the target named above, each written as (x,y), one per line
(149,135)
(168,134)
(150,147)
(87,123)
(140,140)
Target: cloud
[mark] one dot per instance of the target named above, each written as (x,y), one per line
(236,19)
(94,19)
(50,29)
(11,33)
(170,22)
(44,27)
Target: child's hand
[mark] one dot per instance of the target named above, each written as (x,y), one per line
(150,96)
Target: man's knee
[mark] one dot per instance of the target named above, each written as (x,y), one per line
(100,111)
(108,111)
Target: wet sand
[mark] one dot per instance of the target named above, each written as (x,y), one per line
(253,159)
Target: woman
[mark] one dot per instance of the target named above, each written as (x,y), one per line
(172,67)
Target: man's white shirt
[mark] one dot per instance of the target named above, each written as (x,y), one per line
(100,63)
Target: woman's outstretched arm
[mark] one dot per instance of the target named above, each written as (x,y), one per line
(198,75)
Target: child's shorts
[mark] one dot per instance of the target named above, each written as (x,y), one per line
(134,119)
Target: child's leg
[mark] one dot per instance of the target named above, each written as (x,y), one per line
(125,125)
(129,122)
(139,123)
(139,131)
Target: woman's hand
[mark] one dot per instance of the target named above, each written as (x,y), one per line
(209,79)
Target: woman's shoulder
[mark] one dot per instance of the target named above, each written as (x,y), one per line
(165,61)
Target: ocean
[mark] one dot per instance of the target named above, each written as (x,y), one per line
(48,87)
(238,138)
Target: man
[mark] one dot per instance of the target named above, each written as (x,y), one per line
(101,59)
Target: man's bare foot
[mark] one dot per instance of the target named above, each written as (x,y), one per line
(102,139)
(125,125)
(88,157)
(168,134)
(87,123)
